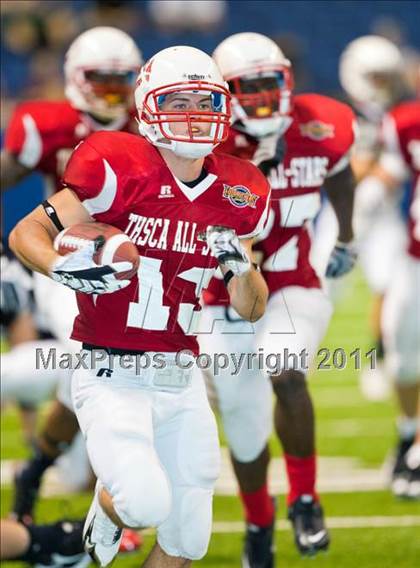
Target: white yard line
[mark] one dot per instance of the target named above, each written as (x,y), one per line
(222,527)
(237,527)
(335,475)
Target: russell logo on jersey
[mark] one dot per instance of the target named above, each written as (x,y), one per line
(165,191)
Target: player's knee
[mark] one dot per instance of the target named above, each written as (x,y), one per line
(288,385)
(187,535)
(247,433)
(407,376)
(145,499)
(197,513)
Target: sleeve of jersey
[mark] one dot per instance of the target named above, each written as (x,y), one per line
(24,137)
(94,181)
(256,221)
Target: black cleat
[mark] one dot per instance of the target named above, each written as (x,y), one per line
(412,461)
(400,471)
(413,490)
(307,518)
(26,493)
(258,547)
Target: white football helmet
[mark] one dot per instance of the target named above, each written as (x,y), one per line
(260,80)
(100,69)
(187,70)
(370,71)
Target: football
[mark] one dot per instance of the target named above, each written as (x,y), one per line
(111,245)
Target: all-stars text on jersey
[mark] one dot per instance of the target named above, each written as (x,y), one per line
(309,171)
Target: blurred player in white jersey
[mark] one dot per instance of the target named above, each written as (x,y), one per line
(100,70)
(301,142)
(371,73)
(400,160)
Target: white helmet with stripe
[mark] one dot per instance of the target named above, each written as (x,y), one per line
(260,80)
(189,71)
(100,69)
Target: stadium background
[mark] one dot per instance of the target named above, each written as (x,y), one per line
(369,528)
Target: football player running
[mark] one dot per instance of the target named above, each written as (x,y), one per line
(100,69)
(371,74)
(150,433)
(308,138)
(401,311)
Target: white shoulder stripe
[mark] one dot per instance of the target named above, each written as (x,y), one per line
(31,151)
(261,222)
(103,201)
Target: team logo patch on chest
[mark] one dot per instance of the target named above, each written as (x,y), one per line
(317,130)
(239,195)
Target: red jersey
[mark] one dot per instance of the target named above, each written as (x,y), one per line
(318,141)
(42,135)
(401,137)
(122,180)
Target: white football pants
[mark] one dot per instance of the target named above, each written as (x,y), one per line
(287,336)
(155,451)
(401,321)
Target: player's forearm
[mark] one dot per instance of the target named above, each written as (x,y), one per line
(248,295)
(340,191)
(32,243)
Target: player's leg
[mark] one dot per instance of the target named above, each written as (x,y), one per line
(56,436)
(115,416)
(382,240)
(308,311)
(186,441)
(28,382)
(402,337)
(244,398)
(58,544)
(57,308)
(159,559)
(413,462)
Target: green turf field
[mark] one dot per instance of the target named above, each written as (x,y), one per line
(369,528)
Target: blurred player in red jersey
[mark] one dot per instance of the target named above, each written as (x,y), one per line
(150,433)
(308,138)
(401,311)
(100,69)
